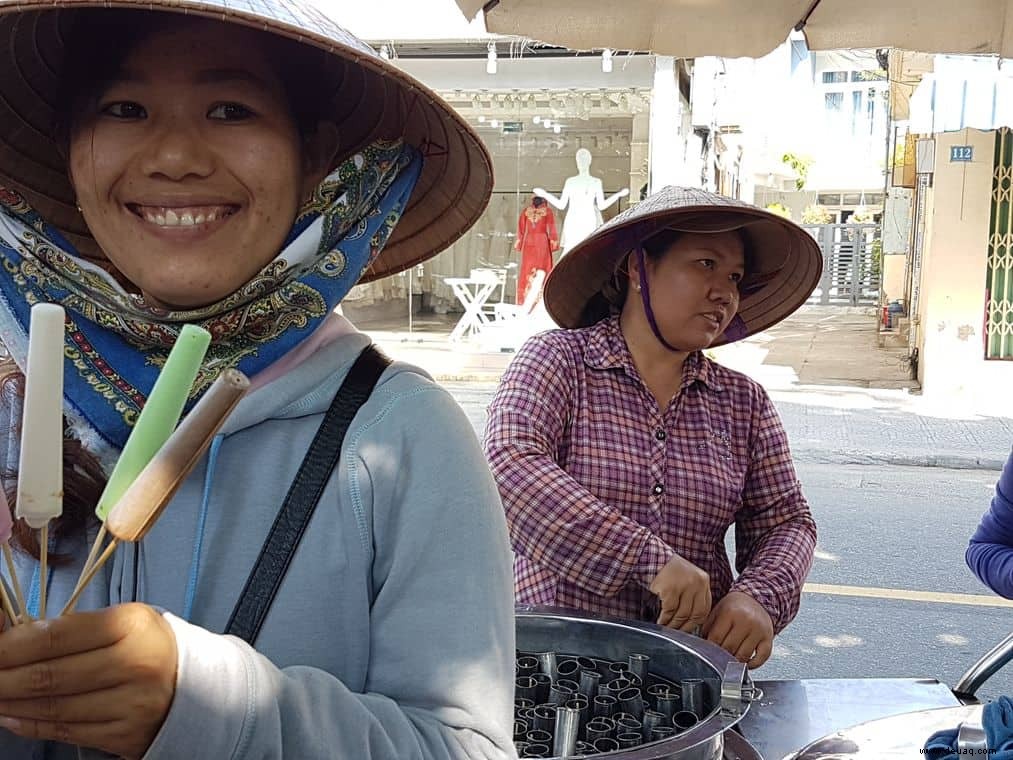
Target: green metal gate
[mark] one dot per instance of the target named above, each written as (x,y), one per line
(999,286)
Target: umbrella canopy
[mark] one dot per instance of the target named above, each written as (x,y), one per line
(731,28)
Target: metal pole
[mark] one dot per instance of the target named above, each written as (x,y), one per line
(856,265)
(410,271)
(991,663)
(826,243)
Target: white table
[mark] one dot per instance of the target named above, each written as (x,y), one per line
(473,292)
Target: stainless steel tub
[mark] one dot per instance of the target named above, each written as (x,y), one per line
(674,656)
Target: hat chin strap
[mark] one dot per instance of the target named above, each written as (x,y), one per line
(645,296)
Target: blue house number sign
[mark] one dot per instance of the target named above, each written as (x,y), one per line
(961,153)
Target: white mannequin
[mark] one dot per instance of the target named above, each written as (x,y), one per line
(586,200)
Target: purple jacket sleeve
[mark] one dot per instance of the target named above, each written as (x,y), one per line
(990,554)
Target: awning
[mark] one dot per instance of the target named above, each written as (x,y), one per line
(731,28)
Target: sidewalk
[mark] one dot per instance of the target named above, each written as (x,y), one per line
(821,345)
(818,345)
(852,427)
(843,399)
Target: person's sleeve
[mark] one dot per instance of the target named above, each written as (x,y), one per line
(15,748)
(990,553)
(553,519)
(775,535)
(441,664)
(550,220)
(519,243)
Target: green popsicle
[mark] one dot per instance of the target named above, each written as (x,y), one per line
(160,414)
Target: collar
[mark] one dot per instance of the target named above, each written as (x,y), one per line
(607,349)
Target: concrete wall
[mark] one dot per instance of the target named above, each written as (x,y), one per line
(951,321)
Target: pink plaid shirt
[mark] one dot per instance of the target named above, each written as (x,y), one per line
(601,488)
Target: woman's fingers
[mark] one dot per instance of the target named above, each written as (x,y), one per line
(78,708)
(698,613)
(684,611)
(74,674)
(93,734)
(113,697)
(666,617)
(59,637)
(763,651)
(744,652)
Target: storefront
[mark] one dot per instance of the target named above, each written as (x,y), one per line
(535,109)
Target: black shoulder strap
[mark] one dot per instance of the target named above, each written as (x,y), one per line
(303,496)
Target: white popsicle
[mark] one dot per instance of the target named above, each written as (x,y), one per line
(40,475)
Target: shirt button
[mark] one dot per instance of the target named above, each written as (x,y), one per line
(658,489)
(660,434)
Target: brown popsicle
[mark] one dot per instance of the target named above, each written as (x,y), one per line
(142,504)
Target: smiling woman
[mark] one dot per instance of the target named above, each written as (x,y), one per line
(623,454)
(186,155)
(242,175)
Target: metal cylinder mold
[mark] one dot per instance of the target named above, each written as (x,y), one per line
(588,687)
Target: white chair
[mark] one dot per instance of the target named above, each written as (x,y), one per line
(513,324)
(504,311)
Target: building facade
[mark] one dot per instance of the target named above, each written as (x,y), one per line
(958,282)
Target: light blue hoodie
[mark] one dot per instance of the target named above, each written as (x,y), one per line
(392,635)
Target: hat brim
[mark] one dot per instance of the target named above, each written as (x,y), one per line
(377,101)
(786,263)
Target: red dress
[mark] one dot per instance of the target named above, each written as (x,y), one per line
(536,240)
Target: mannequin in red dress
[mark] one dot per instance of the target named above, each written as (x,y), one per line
(536,240)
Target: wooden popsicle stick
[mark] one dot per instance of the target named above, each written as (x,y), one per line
(8,606)
(22,607)
(43,568)
(96,547)
(142,504)
(72,602)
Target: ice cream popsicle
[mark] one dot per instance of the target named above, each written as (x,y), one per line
(160,414)
(40,474)
(142,504)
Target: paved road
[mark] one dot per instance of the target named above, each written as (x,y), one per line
(893,528)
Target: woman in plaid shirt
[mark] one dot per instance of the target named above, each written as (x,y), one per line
(623,454)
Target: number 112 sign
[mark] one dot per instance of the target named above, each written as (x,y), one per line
(961,153)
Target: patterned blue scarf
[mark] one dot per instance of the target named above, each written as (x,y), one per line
(116,344)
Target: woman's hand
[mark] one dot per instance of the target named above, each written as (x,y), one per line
(740,626)
(102,679)
(685,593)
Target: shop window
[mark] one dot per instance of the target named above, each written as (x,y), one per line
(835,77)
(834,102)
(869,75)
(999,282)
